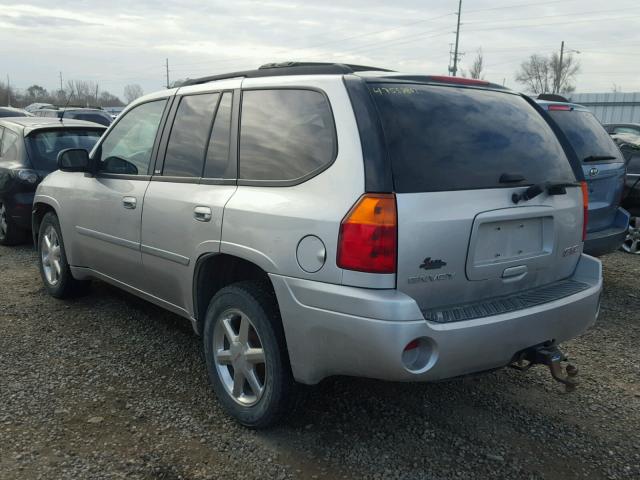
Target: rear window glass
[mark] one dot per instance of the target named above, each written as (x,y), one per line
(44,146)
(453,138)
(585,133)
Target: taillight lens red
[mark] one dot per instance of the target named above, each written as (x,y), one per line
(564,108)
(585,206)
(369,235)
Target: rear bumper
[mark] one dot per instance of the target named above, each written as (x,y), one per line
(609,240)
(339,330)
(19,207)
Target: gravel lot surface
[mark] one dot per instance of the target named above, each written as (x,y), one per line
(109,386)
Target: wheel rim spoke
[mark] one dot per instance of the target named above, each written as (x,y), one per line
(254,383)
(238,383)
(224,357)
(228,330)
(254,355)
(243,333)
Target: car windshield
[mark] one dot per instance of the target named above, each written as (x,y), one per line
(586,135)
(96,117)
(454,138)
(44,146)
(7,112)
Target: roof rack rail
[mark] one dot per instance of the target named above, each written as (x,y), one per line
(289,68)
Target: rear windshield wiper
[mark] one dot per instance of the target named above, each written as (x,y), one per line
(552,188)
(597,158)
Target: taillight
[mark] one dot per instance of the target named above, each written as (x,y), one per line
(585,206)
(369,235)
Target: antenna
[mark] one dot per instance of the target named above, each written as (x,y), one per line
(66,105)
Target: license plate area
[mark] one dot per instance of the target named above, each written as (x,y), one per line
(510,237)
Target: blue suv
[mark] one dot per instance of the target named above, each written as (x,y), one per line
(604,170)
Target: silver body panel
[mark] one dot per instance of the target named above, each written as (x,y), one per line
(336,321)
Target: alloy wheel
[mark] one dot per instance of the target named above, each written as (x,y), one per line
(631,244)
(239,357)
(51,255)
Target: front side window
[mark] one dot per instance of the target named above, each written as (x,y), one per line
(128,146)
(285,134)
(9,149)
(189,136)
(634,131)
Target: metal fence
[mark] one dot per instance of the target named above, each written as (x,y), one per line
(611,107)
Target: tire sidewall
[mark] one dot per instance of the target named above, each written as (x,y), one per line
(267,409)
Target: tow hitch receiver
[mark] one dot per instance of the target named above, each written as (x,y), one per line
(552,357)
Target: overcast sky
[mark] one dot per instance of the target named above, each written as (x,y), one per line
(116,42)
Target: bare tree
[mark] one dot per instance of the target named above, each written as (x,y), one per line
(81,92)
(108,100)
(477,66)
(542,74)
(36,92)
(132,91)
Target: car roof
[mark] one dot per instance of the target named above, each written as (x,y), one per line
(622,124)
(30,124)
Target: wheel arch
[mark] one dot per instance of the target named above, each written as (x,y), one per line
(40,208)
(214,271)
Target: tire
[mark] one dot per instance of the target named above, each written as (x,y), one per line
(631,244)
(255,389)
(52,261)
(10,233)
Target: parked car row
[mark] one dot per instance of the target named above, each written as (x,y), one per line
(313,220)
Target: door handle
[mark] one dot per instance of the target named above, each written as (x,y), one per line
(202,214)
(129,202)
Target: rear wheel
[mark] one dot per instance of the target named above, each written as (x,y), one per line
(246,354)
(52,260)
(10,233)
(631,244)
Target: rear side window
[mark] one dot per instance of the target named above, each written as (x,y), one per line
(189,136)
(285,134)
(454,138)
(9,150)
(219,149)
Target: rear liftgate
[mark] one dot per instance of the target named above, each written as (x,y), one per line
(550,355)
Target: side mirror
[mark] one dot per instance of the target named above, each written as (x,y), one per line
(74,160)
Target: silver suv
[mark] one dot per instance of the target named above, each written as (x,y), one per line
(313,220)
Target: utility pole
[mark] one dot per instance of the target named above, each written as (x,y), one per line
(8,91)
(559,72)
(60,81)
(454,69)
(167,65)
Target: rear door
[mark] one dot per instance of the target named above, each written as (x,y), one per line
(602,162)
(184,203)
(458,155)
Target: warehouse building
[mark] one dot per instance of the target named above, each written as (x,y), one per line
(612,107)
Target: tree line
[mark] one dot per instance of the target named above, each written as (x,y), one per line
(82,93)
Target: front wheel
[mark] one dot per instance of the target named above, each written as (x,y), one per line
(52,260)
(631,244)
(246,354)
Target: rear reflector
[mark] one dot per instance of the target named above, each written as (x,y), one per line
(368,235)
(585,206)
(459,80)
(560,107)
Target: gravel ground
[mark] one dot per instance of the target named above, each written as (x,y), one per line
(109,386)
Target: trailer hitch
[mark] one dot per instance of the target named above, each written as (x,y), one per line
(551,356)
